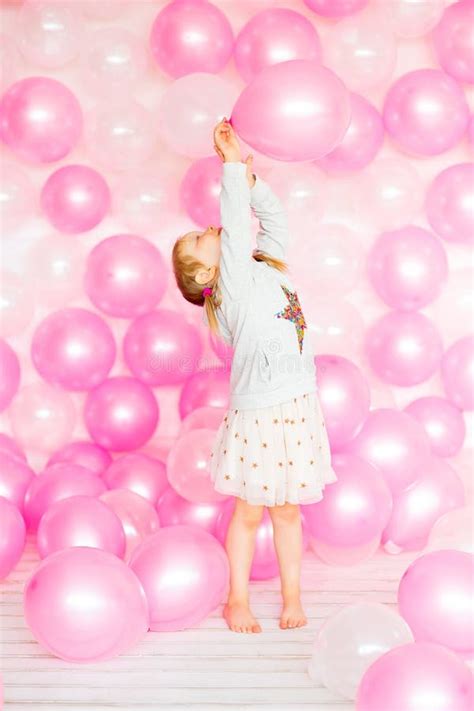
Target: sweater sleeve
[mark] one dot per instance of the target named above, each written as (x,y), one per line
(273,235)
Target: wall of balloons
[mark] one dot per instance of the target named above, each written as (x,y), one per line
(359,114)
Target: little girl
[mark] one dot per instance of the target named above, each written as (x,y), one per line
(271,449)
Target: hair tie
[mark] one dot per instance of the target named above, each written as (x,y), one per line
(207,291)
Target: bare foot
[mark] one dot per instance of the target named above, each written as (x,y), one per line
(292,614)
(239,618)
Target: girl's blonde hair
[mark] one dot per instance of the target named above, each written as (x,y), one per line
(186,267)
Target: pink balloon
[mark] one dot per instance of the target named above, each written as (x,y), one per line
(348,555)
(146,199)
(394,443)
(449,203)
(355,509)
(203,417)
(470,131)
(416,676)
(173,509)
(184,572)
(223,350)
(16,306)
(50,34)
(137,515)
(9,374)
(15,478)
(188,467)
(100,608)
(275,35)
(435,598)
(115,60)
(139,473)
(9,446)
(457,373)
(73,348)
(407,267)
(75,198)
(87,454)
(54,267)
(200,190)
(404,348)
(57,482)
(12,537)
(361,142)
(414,19)
(11,62)
(189,36)
(336,8)
(17,191)
(126,276)
(453,41)
(205,388)
(80,521)
(162,348)
(425,112)
(121,413)
(296,110)
(40,119)
(415,510)
(442,421)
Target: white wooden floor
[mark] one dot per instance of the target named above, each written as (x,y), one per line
(204,668)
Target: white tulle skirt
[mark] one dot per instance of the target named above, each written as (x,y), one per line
(273,455)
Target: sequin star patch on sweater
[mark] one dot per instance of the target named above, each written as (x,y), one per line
(293,312)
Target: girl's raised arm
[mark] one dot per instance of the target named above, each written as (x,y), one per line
(273,235)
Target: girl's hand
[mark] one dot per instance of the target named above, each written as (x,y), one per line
(226,143)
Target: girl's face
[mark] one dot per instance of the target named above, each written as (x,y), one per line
(204,246)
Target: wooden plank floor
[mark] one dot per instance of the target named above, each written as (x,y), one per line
(207,667)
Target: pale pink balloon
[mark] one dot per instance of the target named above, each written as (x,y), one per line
(435,598)
(105,10)
(137,515)
(87,454)
(140,473)
(394,443)
(275,35)
(57,482)
(410,19)
(173,509)
(457,297)
(355,509)
(42,417)
(146,199)
(189,36)
(407,267)
(114,60)
(453,530)
(9,446)
(347,555)
(223,350)
(450,203)
(361,142)
(12,537)
(457,373)
(415,510)
(425,112)
(470,131)
(404,348)
(126,276)
(100,608)
(73,348)
(10,374)
(335,325)
(200,191)
(16,192)
(40,119)
(162,348)
(50,33)
(453,41)
(121,413)
(336,8)
(54,266)
(10,61)
(80,521)
(17,304)
(206,417)
(205,388)
(442,421)
(416,676)
(296,110)
(185,574)
(15,478)
(303,190)
(188,467)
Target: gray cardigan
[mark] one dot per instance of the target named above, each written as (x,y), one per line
(260,315)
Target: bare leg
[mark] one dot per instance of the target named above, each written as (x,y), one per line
(240,544)
(288,538)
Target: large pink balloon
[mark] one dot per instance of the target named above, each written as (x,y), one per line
(425,112)
(162,348)
(173,509)
(188,467)
(12,536)
(57,482)
(139,473)
(395,443)
(73,348)
(189,36)
(9,446)
(40,119)
(435,598)
(126,276)
(87,454)
(185,574)
(202,417)
(449,203)
(274,35)
(9,374)
(121,414)
(297,110)
(15,478)
(442,421)
(415,510)
(80,521)
(336,8)
(100,608)
(418,677)
(200,191)
(136,514)
(75,198)
(404,348)
(453,41)
(457,373)
(205,388)
(407,267)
